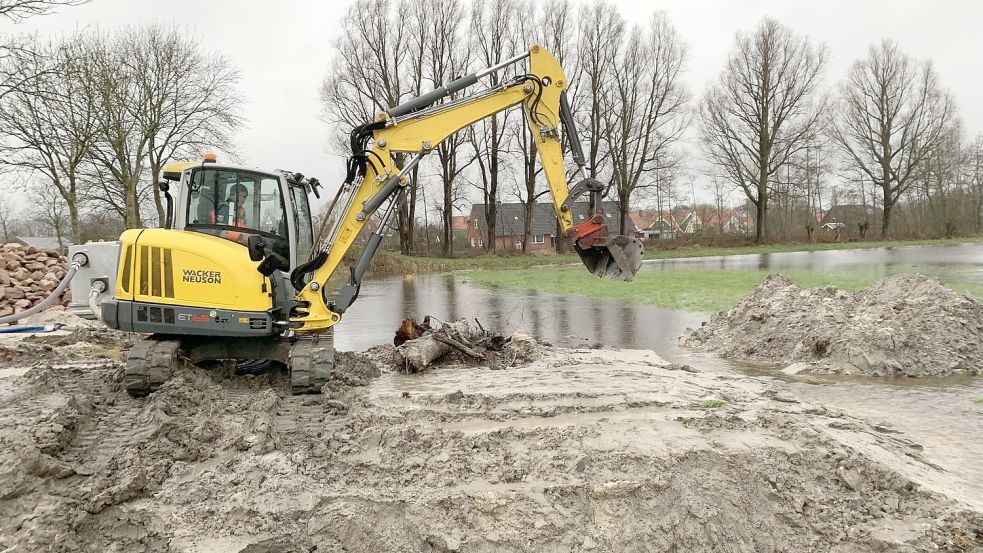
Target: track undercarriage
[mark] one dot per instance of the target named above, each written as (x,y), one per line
(152,360)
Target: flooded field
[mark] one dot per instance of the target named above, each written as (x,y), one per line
(384,303)
(939,414)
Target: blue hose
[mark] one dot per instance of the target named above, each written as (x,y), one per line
(15,329)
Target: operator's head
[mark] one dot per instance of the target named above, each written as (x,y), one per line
(239,193)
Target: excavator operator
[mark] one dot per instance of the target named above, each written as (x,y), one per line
(238,194)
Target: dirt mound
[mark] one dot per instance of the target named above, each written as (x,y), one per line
(580,450)
(904,324)
(84,343)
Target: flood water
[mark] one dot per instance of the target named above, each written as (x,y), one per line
(937,413)
(384,303)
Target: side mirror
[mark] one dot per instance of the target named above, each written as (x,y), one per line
(257,247)
(273,262)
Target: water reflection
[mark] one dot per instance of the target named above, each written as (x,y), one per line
(876,262)
(384,303)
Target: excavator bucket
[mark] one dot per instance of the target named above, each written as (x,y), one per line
(619,258)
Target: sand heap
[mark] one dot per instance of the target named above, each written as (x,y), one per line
(904,324)
(27,276)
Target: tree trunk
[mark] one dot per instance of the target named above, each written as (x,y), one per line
(132,205)
(402,217)
(886,221)
(73,219)
(447,246)
(759,221)
(622,217)
(492,208)
(558,240)
(527,225)
(411,210)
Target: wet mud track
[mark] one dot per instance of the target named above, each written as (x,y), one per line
(582,450)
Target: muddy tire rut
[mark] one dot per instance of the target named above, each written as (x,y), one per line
(582,450)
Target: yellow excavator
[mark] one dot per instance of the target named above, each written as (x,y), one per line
(237,272)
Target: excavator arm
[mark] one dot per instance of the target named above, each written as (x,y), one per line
(386,150)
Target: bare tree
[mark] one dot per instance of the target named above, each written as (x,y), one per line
(975,180)
(600,30)
(13,76)
(892,115)
(191,100)
(370,76)
(645,110)
(942,175)
(48,208)
(763,110)
(17,10)
(521,138)
(156,96)
(721,193)
(48,124)
(446,57)
(120,151)
(6,219)
(494,39)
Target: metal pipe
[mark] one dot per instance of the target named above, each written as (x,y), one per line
(496,67)
(430,98)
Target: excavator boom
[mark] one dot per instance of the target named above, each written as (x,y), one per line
(385,151)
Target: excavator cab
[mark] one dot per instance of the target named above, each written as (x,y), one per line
(239,204)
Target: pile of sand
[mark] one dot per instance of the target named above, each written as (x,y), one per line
(904,324)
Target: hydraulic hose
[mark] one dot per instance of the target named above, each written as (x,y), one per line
(97,288)
(55,294)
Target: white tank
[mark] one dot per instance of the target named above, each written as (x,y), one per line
(100,262)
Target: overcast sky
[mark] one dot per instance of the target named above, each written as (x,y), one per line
(282,50)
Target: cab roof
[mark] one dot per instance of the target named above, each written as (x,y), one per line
(173,171)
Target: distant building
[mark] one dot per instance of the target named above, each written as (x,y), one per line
(459,222)
(510,225)
(45,243)
(654,224)
(690,223)
(729,221)
(851,220)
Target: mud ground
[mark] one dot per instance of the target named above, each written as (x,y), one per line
(580,450)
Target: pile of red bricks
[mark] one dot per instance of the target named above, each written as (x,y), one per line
(27,276)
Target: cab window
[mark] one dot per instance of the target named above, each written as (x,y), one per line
(302,222)
(234,204)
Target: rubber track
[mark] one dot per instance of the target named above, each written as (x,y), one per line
(149,364)
(311,362)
